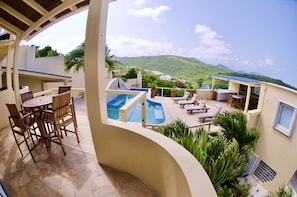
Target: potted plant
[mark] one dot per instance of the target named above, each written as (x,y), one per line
(214,92)
(173,92)
(153,87)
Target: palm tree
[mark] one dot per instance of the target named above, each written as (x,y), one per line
(110,63)
(75,58)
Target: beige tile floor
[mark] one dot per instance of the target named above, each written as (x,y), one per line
(53,174)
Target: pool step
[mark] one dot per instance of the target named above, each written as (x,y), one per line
(159,114)
(117,103)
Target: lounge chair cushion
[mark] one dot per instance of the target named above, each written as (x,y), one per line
(211,114)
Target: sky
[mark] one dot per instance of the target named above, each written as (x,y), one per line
(250,36)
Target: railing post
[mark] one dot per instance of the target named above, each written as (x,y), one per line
(123,116)
(143,105)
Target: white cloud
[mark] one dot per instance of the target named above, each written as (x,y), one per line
(62,46)
(65,46)
(211,48)
(138,2)
(154,13)
(267,62)
(124,46)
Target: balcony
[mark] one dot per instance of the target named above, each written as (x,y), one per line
(78,173)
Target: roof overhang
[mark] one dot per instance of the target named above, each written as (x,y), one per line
(27,18)
(48,77)
(236,79)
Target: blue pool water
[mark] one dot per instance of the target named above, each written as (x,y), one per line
(154,110)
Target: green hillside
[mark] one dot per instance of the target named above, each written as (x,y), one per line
(183,68)
(189,69)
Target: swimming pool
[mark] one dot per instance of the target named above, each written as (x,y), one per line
(154,110)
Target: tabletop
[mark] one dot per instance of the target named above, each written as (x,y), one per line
(38,101)
(238,96)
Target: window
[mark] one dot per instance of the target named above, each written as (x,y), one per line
(252,162)
(285,118)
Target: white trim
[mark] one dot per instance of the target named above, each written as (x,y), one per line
(286,131)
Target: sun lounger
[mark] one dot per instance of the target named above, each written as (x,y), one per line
(185,97)
(188,102)
(211,114)
(199,107)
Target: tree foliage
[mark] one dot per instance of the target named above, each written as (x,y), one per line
(47,51)
(132,73)
(148,79)
(234,126)
(75,59)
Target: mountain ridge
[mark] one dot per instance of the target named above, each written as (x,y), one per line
(184,68)
(190,69)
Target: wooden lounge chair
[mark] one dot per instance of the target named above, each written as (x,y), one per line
(185,97)
(211,114)
(193,100)
(199,107)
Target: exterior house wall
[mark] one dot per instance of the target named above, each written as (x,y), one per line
(35,85)
(6,96)
(43,64)
(54,65)
(204,94)
(274,148)
(132,83)
(233,86)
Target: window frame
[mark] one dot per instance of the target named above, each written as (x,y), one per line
(280,128)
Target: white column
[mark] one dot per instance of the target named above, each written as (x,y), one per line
(139,79)
(16,83)
(95,71)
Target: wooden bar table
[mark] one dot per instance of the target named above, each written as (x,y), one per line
(40,102)
(238,101)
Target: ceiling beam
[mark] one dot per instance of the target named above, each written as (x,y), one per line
(15,13)
(10,27)
(36,6)
(51,15)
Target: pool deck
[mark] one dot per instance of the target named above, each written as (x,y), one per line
(173,111)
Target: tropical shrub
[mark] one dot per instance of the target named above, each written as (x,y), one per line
(234,125)
(242,190)
(225,192)
(176,129)
(221,155)
(283,191)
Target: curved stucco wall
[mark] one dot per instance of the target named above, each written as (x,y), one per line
(152,157)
